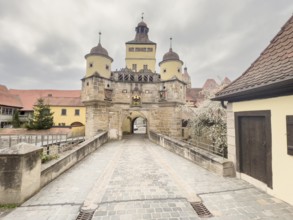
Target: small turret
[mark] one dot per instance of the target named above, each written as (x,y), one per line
(98,61)
(186,78)
(171,66)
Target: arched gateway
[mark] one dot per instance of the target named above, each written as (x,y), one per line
(115,99)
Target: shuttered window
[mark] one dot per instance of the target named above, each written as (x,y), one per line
(289,120)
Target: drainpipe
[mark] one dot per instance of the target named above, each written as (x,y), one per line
(223,104)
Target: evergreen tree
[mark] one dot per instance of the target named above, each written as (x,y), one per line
(42,117)
(15,119)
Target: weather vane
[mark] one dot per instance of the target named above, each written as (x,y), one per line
(142,16)
(171,42)
(100,37)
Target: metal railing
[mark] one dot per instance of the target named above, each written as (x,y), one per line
(208,146)
(9,140)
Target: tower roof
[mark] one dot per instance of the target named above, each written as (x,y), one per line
(99,50)
(141,36)
(171,55)
(271,74)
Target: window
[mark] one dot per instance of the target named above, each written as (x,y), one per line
(91,65)
(76,112)
(107,67)
(134,67)
(145,67)
(289,120)
(131,49)
(63,111)
(149,49)
(164,70)
(178,70)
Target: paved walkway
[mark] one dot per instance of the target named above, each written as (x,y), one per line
(136,179)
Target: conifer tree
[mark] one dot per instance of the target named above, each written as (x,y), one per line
(42,117)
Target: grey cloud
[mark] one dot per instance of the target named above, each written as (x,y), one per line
(213,38)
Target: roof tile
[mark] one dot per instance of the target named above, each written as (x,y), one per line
(274,65)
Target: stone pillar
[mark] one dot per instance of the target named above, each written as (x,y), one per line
(20,173)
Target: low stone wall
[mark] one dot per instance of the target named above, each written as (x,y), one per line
(54,168)
(20,168)
(201,157)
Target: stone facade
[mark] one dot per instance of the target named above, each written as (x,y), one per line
(158,103)
(113,102)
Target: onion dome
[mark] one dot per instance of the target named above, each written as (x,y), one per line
(170,55)
(99,50)
(141,36)
(142,24)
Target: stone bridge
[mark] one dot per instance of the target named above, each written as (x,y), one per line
(135,178)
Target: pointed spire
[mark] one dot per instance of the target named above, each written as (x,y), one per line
(100,37)
(142,16)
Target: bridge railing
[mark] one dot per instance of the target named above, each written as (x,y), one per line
(45,141)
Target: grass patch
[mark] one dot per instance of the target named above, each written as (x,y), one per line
(8,206)
(46,158)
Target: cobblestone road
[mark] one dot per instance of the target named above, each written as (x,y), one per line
(136,179)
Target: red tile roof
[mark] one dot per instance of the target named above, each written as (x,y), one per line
(63,101)
(273,70)
(210,84)
(29,97)
(7,99)
(193,94)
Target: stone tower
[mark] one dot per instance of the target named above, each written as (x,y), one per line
(141,52)
(115,99)
(171,65)
(98,61)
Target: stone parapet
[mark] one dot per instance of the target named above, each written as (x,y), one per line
(55,168)
(205,159)
(20,168)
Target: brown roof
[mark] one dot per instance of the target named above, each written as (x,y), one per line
(270,75)
(8,99)
(29,97)
(210,84)
(141,36)
(63,101)
(193,94)
(226,81)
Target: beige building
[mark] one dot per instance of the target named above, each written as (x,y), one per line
(260,118)
(65,104)
(115,99)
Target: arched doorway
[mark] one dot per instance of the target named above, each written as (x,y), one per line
(139,125)
(134,122)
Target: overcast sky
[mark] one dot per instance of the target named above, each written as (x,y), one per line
(43,42)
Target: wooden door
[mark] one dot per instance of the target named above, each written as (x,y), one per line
(254,147)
